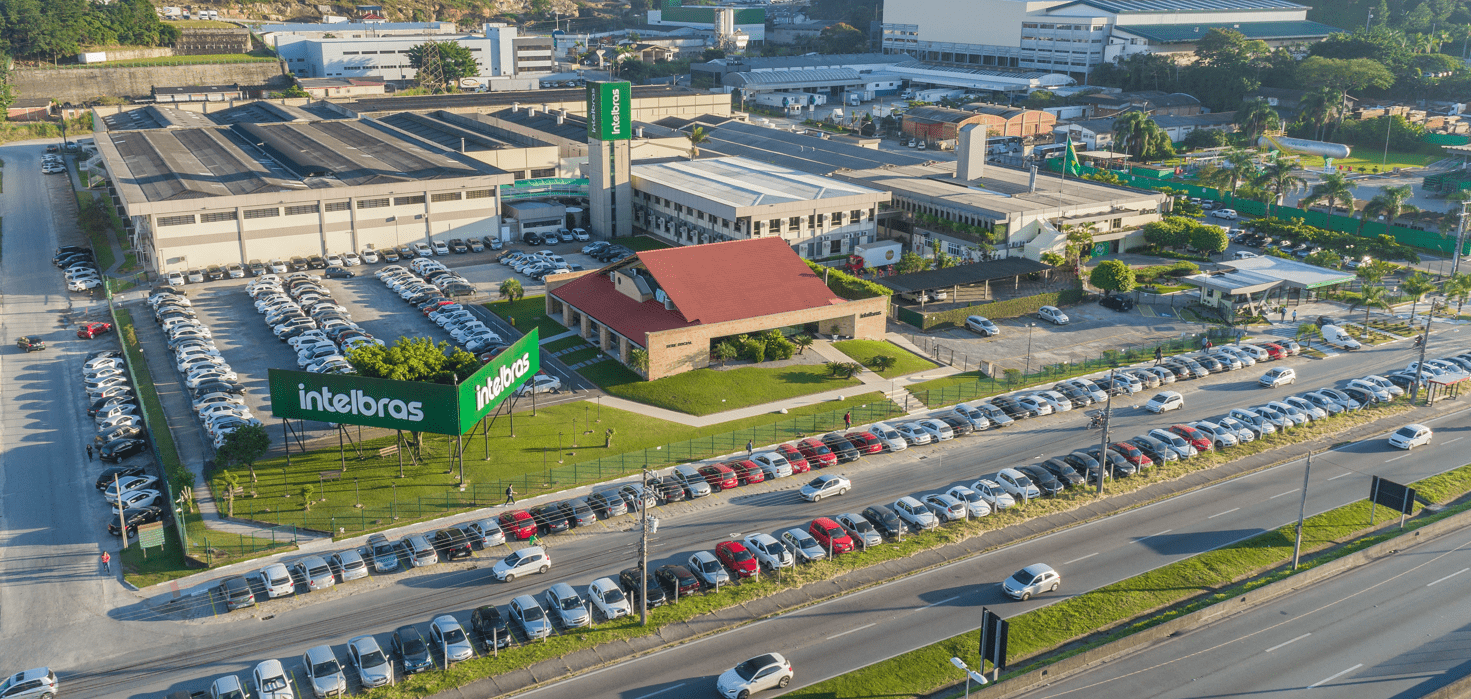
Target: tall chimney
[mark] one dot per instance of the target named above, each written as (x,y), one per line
(970,153)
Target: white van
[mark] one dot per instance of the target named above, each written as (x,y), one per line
(1334,335)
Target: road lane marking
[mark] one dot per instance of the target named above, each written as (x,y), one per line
(1279,645)
(1151,536)
(845,633)
(1448,577)
(1330,679)
(1457,439)
(1227,512)
(1075,560)
(666,689)
(1397,458)
(1278,495)
(947,599)
(1341,475)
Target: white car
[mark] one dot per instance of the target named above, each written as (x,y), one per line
(420,552)
(608,599)
(532,559)
(994,495)
(1181,447)
(423,250)
(1244,432)
(1228,214)
(981,326)
(890,437)
(271,681)
(946,507)
(769,552)
(914,513)
(1052,314)
(1385,384)
(913,433)
(1410,436)
(541,383)
(1035,405)
(772,464)
(1313,411)
(828,484)
(975,505)
(757,674)
(1280,376)
(1375,389)
(1221,437)
(940,431)
(1166,400)
(370,256)
(1017,484)
(277,580)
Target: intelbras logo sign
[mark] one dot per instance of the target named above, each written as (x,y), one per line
(357,402)
(487,392)
(615,111)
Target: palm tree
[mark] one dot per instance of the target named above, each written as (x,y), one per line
(1133,131)
(1458,287)
(1318,106)
(1334,188)
(1243,167)
(1369,297)
(802,341)
(696,136)
(1373,272)
(1417,285)
(723,352)
(511,290)
(1279,178)
(1217,178)
(1256,118)
(1392,202)
(638,360)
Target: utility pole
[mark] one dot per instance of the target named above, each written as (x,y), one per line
(1420,366)
(643,554)
(1103,463)
(121,523)
(1302,510)
(1460,239)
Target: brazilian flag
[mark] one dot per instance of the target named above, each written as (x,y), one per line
(1070,164)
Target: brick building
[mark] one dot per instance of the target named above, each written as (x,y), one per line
(676,303)
(943,124)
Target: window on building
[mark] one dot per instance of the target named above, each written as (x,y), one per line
(835,246)
(479,194)
(811,220)
(406,201)
(837,218)
(1118,223)
(217,217)
(302,209)
(794,223)
(185,220)
(263,213)
(700,215)
(338,206)
(725,222)
(544,172)
(372,203)
(774,225)
(445,196)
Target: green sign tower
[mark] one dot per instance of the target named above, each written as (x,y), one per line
(609,128)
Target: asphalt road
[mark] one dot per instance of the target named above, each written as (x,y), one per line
(187,655)
(1393,628)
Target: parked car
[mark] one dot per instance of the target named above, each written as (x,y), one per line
(1278,376)
(567,606)
(608,599)
(1052,314)
(736,557)
(371,663)
(412,650)
(323,672)
(708,568)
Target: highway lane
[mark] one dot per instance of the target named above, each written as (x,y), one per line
(1396,627)
(194,652)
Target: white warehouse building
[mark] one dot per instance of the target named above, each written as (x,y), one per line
(498,49)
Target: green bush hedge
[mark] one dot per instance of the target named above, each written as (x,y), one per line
(848,286)
(1177,270)
(1010,308)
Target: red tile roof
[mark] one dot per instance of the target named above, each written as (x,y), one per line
(711,283)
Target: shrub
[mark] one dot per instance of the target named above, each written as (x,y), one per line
(780,349)
(846,285)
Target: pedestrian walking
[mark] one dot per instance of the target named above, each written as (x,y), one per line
(510,495)
(1159,355)
(847,419)
(107,562)
(1283,310)
(89,452)
(1294,315)
(1208,343)
(750,447)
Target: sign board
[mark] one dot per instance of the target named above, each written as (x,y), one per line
(150,535)
(609,110)
(994,631)
(412,406)
(1396,497)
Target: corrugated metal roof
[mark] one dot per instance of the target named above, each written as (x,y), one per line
(1299,274)
(1182,33)
(939,115)
(738,182)
(819,77)
(1144,6)
(1239,281)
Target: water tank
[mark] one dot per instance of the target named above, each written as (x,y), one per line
(1337,151)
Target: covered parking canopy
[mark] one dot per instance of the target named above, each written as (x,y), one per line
(973,281)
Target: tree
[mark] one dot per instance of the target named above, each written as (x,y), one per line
(696,136)
(1370,297)
(306,496)
(1319,106)
(1391,202)
(1256,118)
(1208,239)
(244,447)
(1417,285)
(1344,75)
(1373,272)
(1112,275)
(944,259)
(911,262)
(1079,242)
(1138,135)
(880,362)
(842,38)
(1458,287)
(414,359)
(228,483)
(511,290)
(1279,177)
(1205,138)
(1229,49)
(1053,259)
(802,341)
(454,61)
(638,360)
(843,370)
(723,352)
(1334,189)
(1325,258)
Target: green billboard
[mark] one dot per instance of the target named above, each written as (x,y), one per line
(609,110)
(413,406)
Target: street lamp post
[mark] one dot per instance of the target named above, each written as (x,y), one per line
(1030,327)
(969,674)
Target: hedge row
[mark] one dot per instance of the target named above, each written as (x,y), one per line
(1179,269)
(848,286)
(1010,308)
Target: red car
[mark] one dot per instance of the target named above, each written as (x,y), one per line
(519,524)
(746,472)
(1132,454)
(719,477)
(92,330)
(1273,351)
(865,442)
(817,453)
(794,457)
(1196,438)
(735,556)
(830,536)
(426,310)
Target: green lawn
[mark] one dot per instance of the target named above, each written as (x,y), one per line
(706,391)
(923,671)
(528,312)
(581,355)
(564,343)
(1366,159)
(640,243)
(864,351)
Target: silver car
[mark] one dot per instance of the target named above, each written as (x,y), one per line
(349,565)
(773,465)
(769,552)
(1315,412)
(708,569)
(489,532)
(446,634)
(860,529)
(1031,580)
(567,606)
(945,507)
(1244,432)
(802,544)
(975,505)
(529,615)
(1174,441)
(914,513)
(1328,405)
(315,571)
(324,672)
(373,666)
(385,556)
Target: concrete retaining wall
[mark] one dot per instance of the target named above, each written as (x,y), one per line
(85,84)
(1077,663)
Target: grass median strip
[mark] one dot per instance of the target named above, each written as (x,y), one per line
(525,656)
(1208,578)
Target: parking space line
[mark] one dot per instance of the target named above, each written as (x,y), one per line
(1457,439)
(1341,475)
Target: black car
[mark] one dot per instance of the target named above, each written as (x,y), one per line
(628,579)
(316,262)
(31,343)
(490,626)
(133,518)
(119,432)
(1363,397)
(957,425)
(578,512)
(458,246)
(102,403)
(452,543)
(549,519)
(1043,478)
(388,255)
(103,354)
(1402,379)
(237,593)
(1117,464)
(1117,303)
(1078,396)
(1083,463)
(297,264)
(116,451)
(667,488)
(214,273)
(1013,409)
(1152,448)
(408,644)
(230,387)
(1063,472)
(884,520)
(111,473)
(338,273)
(406,252)
(841,447)
(531,238)
(677,580)
(1210,363)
